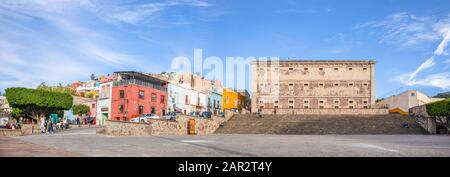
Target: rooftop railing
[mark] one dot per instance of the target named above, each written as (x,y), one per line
(139,82)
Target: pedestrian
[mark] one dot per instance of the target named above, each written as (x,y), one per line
(78,121)
(42,127)
(50,127)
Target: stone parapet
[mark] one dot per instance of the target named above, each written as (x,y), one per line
(327,111)
(166,127)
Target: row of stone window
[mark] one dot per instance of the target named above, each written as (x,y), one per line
(321,107)
(320,84)
(307,69)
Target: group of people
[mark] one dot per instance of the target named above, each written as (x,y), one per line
(48,126)
(9,125)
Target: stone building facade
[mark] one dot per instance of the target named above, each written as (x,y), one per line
(327,86)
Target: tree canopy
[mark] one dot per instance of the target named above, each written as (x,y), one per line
(439,108)
(36,103)
(81,109)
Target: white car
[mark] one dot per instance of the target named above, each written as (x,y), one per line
(149,116)
(139,119)
(144,118)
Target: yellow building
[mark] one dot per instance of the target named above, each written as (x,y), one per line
(232,100)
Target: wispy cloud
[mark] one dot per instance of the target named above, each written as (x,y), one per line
(439,80)
(63,40)
(405,29)
(427,64)
(409,30)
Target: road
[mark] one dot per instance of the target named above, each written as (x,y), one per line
(86,142)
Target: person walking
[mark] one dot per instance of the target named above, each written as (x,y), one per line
(42,127)
(50,127)
(78,121)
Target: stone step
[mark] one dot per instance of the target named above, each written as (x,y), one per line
(320,124)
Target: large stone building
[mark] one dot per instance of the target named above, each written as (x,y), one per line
(314,87)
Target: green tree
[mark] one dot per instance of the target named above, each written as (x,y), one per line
(80,109)
(439,108)
(60,88)
(36,103)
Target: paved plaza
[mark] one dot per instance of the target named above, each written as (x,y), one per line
(86,142)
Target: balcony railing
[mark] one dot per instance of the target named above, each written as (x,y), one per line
(139,82)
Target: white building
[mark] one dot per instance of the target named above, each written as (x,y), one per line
(402,102)
(87,87)
(104,103)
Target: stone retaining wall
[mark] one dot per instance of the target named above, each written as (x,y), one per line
(327,111)
(10,132)
(423,119)
(166,127)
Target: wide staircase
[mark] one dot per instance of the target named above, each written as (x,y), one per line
(320,124)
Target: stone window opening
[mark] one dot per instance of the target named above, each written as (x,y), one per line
(306,69)
(321,107)
(290,69)
(321,84)
(305,101)
(291,84)
(351,107)
(306,107)
(365,107)
(306,84)
(276,101)
(261,107)
(365,84)
(320,69)
(350,84)
(350,68)
(336,84)
(336,69)
(276,107)
(413,94)
(321,101)
(364,69)
(291,101)
(365,101)
(336,107)
(291,107)
(336,101)
(350,101)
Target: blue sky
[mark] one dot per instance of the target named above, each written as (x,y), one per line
(60,41)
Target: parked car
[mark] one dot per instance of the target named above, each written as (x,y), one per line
(194,114)
(221,114)
(150,116)
(206,114)
(170,116)
(139,119)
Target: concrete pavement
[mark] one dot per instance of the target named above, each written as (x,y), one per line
(87,142)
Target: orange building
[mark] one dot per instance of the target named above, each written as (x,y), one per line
(232,99)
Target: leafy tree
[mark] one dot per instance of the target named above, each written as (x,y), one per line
(439,108)
(91,94)
(60,88)
(36,103)
(80,109)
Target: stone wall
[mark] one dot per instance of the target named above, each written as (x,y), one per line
(10,132)
(423,119)
(327,111)
(166,127)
